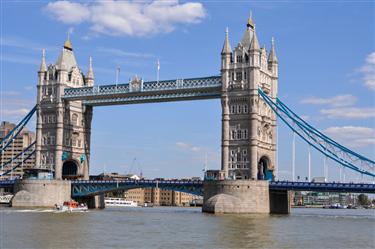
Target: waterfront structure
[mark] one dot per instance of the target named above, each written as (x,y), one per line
(247,88)
(159,197)
(63,128)
(21,141)
(248,123)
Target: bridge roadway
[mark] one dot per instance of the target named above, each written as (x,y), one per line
(90,188)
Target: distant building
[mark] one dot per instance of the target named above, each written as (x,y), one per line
(114,176)
(159,197)
(322,198)
(23,140)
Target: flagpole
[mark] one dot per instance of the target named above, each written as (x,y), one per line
(157,73)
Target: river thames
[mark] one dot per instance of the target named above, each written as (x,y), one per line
(186,228)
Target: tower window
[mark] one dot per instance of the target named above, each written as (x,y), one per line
(245,109)
(239,59)
(239,76)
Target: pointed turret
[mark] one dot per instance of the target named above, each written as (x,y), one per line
(226,47)
(272,56)
(248,35)
(254,45)
(66,60)
(43,66)
(90,73)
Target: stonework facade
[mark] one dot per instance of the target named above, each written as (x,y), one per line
(63,128)
(248,123)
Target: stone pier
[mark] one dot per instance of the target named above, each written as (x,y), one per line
(41,193)
(244,196)
(239,196)
(280,201)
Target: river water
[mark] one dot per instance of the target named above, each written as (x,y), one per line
(186,228)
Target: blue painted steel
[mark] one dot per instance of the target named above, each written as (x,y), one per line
(6,141)
(7,183)
(320,145)
(153,91)
(89,188)
(318,133)
(323,186)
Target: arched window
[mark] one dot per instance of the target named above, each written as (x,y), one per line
(74,119)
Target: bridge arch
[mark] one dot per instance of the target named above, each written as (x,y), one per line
(70,169)
(264,168)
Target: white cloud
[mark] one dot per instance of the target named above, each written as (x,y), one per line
(352,136)
(122,53)
(189,147)
(349,112)
(68,12)
(130,18)
(339,100)
(368,71)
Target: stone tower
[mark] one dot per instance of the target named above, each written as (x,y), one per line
(248,124)
(63,128)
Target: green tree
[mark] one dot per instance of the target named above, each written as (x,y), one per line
(363,200)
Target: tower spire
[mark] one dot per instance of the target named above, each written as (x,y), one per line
(272,56)
(43,66)
(250,22)
(226,47)
(90,73)
(68,43)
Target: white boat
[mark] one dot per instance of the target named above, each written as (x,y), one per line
(119,202)
(72,206)
(5,199)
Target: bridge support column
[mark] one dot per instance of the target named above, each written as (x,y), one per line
(96,201)
(236,196)
(280,201)
(41,193)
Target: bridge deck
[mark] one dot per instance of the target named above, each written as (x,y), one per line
(147,92)
(85,188)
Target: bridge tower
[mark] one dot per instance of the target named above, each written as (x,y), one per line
(63,128)
(248,123)
(248,130)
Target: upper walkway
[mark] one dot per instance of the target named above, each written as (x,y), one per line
(146,92)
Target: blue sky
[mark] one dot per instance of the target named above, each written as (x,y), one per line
(326,73)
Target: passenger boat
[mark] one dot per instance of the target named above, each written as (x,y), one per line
(119,202)
(5,198)
(72,206)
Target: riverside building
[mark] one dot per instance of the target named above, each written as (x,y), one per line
(22,141)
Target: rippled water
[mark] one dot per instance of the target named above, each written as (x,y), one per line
(186,228)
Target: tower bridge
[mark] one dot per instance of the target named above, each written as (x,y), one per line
(248,89)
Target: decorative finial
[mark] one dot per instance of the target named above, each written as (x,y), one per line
(68,43)
(90,61)
(273,41)
(250,22)
(43,66)
(226,30)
